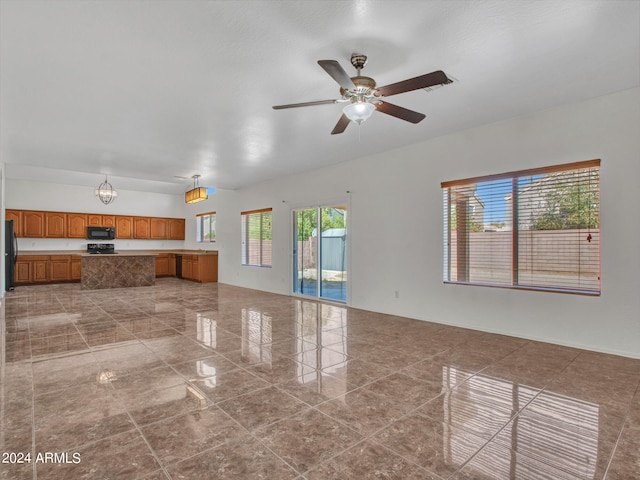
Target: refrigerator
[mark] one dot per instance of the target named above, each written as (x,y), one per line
(10,255)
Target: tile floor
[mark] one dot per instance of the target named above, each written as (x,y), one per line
(189,381)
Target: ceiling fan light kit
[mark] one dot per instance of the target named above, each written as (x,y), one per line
(197,193)
(364,97)
(358,112)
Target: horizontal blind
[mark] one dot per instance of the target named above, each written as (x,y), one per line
(480,226)
(257,237)
(537,228)
(559,230)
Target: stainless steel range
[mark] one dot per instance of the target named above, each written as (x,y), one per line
(104,248)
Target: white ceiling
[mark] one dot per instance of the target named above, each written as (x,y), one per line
(148,90)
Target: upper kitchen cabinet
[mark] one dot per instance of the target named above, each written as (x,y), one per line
(76,225)
(124,227)
(32,224)
(141,227)
(95,220)
(55,224)
(108,221)
(176,229)
(17,222)
(158,228)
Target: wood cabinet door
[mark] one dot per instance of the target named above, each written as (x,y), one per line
(158,228)
(60,270)
(55,224)
(23,272)
(17,223)
(108,220)
(141,227)
(94,220)
(76,269)
(32,224)
(39,271)
(76,225)
(187,267)
(124,227)
(176,229)
(162,265)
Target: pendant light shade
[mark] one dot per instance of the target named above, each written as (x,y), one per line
(358,112)
(105,192)
(197,193)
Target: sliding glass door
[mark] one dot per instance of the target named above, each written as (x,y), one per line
(320,252)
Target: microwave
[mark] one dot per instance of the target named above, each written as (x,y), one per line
(101,233)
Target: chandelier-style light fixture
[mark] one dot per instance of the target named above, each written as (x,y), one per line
(197,193)
(105,192)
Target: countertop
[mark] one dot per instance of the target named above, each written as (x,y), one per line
(25,253)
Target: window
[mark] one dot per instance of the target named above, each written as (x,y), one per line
(256,237)
(206,227)
(535,229)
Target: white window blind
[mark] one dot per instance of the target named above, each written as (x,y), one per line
(256,238)
(536,229)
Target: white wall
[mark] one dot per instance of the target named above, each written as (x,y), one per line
(396,225)
(395,215)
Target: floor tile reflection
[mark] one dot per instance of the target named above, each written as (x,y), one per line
(183,380)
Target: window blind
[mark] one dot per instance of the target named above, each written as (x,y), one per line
(256,238)
(537,228)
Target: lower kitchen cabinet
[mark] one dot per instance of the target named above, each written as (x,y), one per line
(163,265)
(200,268)
(31,269)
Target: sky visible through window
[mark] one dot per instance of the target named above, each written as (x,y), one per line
(492,194)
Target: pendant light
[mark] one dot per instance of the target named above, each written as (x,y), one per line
(105,192)
(197,193)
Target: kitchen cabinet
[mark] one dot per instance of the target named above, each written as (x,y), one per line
(41,224)
(60,268)
(200,268)
(76,225)
(124,227)
(158,228)
(94,220)
(108,220)
(32,224)
(176,229)
(75,268)
(32,269)
(55,224)
(187,267)
(162,265)
(22,272)
(17,221)
(141,228)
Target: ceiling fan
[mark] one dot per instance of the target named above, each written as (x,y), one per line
(363,97)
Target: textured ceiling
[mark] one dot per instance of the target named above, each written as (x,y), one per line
(148,90)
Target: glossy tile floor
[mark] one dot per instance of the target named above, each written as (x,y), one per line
(183,380)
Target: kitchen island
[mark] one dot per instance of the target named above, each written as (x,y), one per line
(118,270)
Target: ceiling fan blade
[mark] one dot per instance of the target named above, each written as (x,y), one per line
(341,126)
(336,71)
(304,104)
(400,112)
(423,81)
